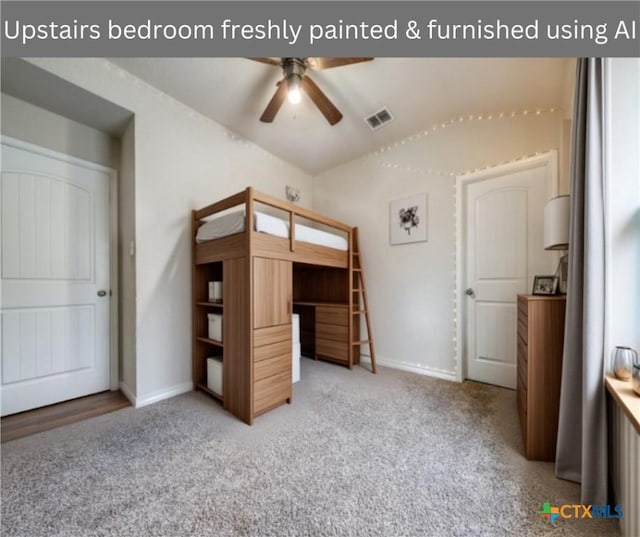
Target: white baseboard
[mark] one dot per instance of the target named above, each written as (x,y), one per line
(156,396)
(413,368)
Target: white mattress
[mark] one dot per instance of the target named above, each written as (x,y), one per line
(232,223)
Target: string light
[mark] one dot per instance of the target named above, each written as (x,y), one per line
(456,120)
(193,114)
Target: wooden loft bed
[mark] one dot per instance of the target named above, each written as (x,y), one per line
(264,279)
(254,243)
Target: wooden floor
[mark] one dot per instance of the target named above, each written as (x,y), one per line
(50,417)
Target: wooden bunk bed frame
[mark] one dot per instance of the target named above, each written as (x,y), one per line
(258,299)
(264,245)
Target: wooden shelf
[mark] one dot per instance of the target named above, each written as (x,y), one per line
(626,399)
(211,304)
(206,389)
(210,341)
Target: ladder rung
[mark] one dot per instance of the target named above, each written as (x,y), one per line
(357,289)
(361,342)
(355,269)
(358,312)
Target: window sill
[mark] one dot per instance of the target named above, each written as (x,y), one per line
(625,398)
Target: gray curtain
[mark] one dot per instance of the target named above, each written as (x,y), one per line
(581,454)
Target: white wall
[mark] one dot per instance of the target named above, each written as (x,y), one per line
(182,161)
(411,287)
(622,268)
(126,261)
(622,187)
(38,126)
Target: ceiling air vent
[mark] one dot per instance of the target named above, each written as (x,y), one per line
(380,118)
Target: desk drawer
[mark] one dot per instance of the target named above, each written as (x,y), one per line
(337,315)
(332,331)
(333,349)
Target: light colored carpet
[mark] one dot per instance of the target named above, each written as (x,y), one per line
(355,454)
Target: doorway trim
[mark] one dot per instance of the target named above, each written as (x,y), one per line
(548,159)
(114,380)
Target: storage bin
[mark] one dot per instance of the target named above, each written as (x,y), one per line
(295,328)
(214,374)
(295,363)
(215,292)
(215,326)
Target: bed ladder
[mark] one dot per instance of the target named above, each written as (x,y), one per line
(358,305)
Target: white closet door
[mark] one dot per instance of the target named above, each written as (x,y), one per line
(55,280)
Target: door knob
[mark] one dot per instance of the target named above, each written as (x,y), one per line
(102,292)
(470,292)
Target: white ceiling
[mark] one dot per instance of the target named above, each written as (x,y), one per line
(417,91)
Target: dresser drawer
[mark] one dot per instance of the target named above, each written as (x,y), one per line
(272,350)
(522,361)
(522,414)
(271,334)
(523,330)
(332,349)
(338,315)
(332,331)
(523,308)
(270,391)
(271,366)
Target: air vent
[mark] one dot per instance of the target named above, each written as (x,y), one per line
(380,118)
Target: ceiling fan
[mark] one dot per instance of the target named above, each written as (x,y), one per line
(295,80)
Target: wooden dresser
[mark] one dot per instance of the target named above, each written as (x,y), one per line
(540,343)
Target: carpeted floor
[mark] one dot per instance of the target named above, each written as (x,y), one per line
(355,454)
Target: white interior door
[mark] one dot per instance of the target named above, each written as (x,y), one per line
(55,268)
(504,250)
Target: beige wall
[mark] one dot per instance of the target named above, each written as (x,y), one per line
(411,287)
(38,126)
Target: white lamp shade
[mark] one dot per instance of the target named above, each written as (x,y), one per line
(556,224)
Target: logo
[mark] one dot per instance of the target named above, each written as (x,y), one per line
(551,513)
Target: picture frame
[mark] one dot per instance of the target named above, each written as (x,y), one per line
(545,285)
(408,220)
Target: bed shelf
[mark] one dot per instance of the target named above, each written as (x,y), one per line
(206,389)
(210,341)
(210,304)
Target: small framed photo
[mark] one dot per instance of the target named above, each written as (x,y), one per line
(545,285)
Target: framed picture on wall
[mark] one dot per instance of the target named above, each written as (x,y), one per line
(408,220)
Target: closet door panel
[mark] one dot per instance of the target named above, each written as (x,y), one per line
(272,292)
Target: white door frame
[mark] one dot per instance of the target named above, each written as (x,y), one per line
(548,159)
(114,381)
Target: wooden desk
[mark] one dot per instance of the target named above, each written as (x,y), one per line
(324,330)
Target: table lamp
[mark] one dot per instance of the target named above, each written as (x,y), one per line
(556,234)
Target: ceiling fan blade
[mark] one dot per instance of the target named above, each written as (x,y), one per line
(328,63)
(269,61)
(275,103)
(329,111)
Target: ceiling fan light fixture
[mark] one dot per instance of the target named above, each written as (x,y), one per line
(293,89)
